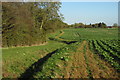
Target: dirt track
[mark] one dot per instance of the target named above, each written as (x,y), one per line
(58,37)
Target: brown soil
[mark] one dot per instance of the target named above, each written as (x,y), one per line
(77,67)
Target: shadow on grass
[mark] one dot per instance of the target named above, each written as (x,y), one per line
(63,41)
(34,68)
(38,66)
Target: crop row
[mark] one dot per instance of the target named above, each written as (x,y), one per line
(109,51)
(102,51)
(114,45)
(114,42)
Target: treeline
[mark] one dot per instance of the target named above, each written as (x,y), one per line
(81,25)
(96,25)
(25,23)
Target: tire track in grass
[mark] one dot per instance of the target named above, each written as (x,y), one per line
(76,68)
(87,63)
(79,64)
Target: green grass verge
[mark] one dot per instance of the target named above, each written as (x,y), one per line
(17,60)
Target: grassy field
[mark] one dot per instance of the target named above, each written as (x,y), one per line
(76,34)
(69,53)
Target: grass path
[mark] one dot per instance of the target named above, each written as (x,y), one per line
(58,36)
(84,64)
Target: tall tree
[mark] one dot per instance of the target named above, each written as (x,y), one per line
(27,23)
(47,11)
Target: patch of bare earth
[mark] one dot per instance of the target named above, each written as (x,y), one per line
(76,67)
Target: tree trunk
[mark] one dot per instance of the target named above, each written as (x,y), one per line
(41,25)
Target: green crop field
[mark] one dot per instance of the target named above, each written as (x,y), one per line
(76,34)
(68,53)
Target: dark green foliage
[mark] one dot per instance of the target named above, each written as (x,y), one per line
(28,23)
(81,25)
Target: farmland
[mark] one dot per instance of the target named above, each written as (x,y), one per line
(68,53)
